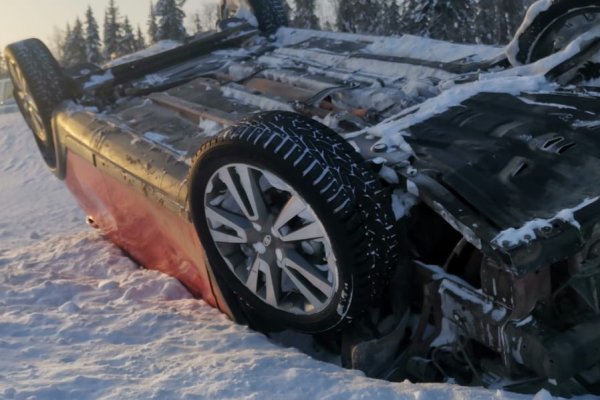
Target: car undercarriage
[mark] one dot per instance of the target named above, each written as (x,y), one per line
(456,183)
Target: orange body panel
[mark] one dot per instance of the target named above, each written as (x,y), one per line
(154,236)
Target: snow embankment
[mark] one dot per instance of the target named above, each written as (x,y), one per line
(78,320)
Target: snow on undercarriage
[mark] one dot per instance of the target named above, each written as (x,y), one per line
(428,209)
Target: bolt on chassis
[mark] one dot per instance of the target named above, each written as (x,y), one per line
(428,210)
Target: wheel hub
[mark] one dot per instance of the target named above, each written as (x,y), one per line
(260,248)
(271,239)
(267,241)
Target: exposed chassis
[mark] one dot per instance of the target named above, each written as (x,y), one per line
(492,170)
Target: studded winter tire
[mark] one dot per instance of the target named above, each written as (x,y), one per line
(39,86)
(293,221)
(270,14)
(552,29)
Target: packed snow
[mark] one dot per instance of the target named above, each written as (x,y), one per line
(210,128)
(403,46)
(97,80)
(78,319)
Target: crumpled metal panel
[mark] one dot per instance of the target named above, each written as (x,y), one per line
(514,159)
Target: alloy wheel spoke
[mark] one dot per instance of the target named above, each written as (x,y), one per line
(275,181)
(21,95)
(292,208)
(252,280)
(232,188)
(299,264)
(40,130)
(302,288)
(222,237)
(252,191)
(272,275)
(238,192)
(272,284)
(311,231)
(15,75)
(237,223)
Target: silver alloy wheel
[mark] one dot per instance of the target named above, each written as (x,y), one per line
(28,105)
(271,239)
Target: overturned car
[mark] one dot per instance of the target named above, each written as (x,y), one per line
(431,211)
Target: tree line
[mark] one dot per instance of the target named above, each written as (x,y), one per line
(462,21)
(81,41)
(466,21)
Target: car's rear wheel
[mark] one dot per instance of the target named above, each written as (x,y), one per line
(270,14)
(39,87)
(550,30)
(293,222)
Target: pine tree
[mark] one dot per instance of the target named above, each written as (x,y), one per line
(345,16)
(112,31)
(56,42)
(467,21)
(66,36)
(128,42)
(152,25)
(388,21)
(75,46)
(140,41)
(451,20)
(501,18)
(304,15)
(197,23)
(170,19)
(359,16)
(92,38)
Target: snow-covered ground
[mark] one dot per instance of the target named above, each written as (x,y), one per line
(79,320)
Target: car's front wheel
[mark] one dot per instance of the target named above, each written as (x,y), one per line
(293,222)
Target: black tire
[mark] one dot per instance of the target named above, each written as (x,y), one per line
(270,14)
(345,195)
(566,19)
(39,88)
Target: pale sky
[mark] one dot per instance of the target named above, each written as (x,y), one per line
(20,19)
